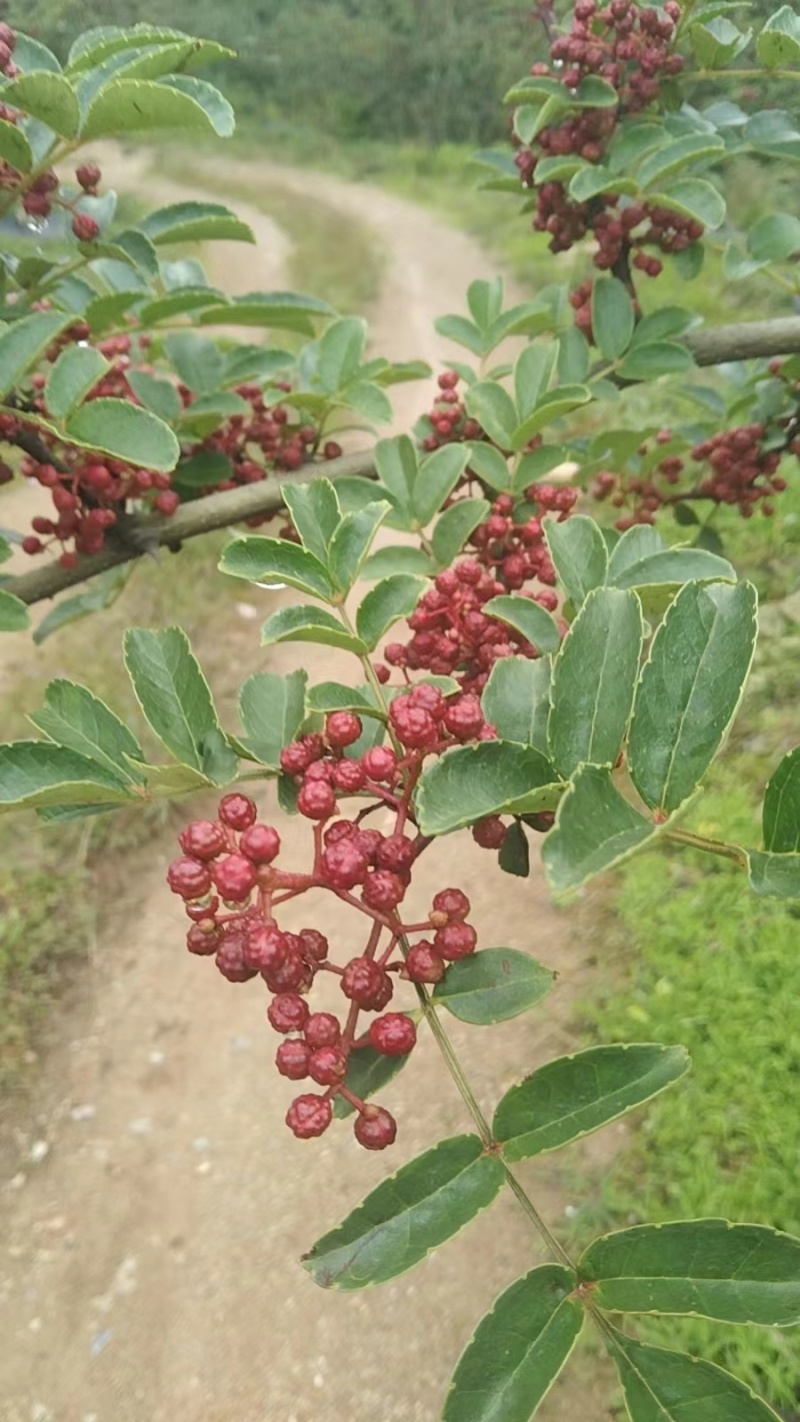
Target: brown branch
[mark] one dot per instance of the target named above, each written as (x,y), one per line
(232,506)
(746,340)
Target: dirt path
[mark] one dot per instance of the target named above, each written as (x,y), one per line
(154,1214)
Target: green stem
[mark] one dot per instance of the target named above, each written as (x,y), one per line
(708,846)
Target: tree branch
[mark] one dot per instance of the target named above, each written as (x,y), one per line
(145,533)
(745,341)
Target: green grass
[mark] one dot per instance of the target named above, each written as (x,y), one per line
(49,876)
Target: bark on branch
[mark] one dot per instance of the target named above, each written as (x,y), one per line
(745,340)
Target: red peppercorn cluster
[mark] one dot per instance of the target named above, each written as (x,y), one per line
(447,421)
(628,46)
(231,882)
(741,473)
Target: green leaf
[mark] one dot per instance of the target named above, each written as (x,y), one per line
(775,875)
(779,41)
(14,615)
(533,370)
(636,545)
(490,465)
(341,351)
(518,1349)
(717,42)
(126,431)
(595,829)
(426,1202)
(661,1386)
(396,465)
(70,379)
(72,716)
(594,681)
(160,397)
(214,105)
(48,97)
(493,985)
(514,854)
(695,197)
(579,555)
(653,359)
(270,561)
(34,773)
(397,558)
(22,344)
(178,303)
(335,696)
(594,179)
(774,238)
(574,356)
(315,514)
(171,690)
(678,154)
(195,222)
(596,93)
(673,566)
(14,147)
(281,309)
(220,760)
(198,362)
(351,542)
(139,105)
(516,700)
(612,317)
(271,710)
(465,333)
(690,689)
(528,617)
(781,816)
(104,590)
(368,1071)
(454,527)
(438,475)
(572,1096)
(304,623)
(390,600)
(738,1273)
(469,782)
(492,406)
(551,407)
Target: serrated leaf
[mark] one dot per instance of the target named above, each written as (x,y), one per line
(390,600)
(37,773)
(104,590)
(14,147)
(73,716)
(690,689)
(596,828)
(781,815)
(514,854)
(662,1386)
(551,407)
(528,617)
(775,238)
(304,623)
(739,1273)
(437,477)
(634,546)
(126,431)
(397,558)
(533,370)
(335,696)
(368,1071)
(493,985)
(469,782)
(775,876)
(141,105)
(680,153)
(158,396)
(396,465)
(779,41)
(612,317)
(198,361)
(579,555)
(594,681)
(213,104)
(14,615)
(351,542)
(178,303)
(70,379)
(697,198)
(594,179)
(271,710)
(516,700)
(195,222)
(673,566)
(572,1096)
(454,527)
(48,97)
(315,513)
(271,561)
(490,466)
(717,42)
(653,359)
(492,406)
(518,1349)
(426,1202)
(340,353)
(22,343)
(171,690)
